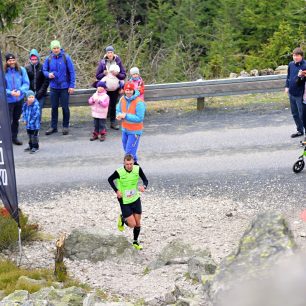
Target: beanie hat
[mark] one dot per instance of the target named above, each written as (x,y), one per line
(114,68)
(129,85)
(101,84)
(54,44)
(109,48)
(30,93)
(9,56)
(134,70)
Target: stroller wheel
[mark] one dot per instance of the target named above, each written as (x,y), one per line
(298,166)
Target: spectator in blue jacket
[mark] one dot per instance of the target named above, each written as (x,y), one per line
(31,118)
(17,84)
(296,90)
(58,67)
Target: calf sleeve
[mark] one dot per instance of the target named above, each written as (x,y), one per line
(136,232)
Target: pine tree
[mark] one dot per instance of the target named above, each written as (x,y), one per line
(224,53)
(9,10)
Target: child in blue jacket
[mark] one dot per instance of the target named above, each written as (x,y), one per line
(31,118)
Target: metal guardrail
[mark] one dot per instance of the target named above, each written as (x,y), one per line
(197,89)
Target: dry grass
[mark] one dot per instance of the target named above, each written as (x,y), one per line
(274,100)
(277,100)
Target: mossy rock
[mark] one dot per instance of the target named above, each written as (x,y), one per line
(266,241)
(98,245)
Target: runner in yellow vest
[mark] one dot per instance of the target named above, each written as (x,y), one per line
(128,194)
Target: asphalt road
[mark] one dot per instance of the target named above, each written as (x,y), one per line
(243,154)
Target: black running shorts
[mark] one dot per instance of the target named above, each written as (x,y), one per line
(129,209)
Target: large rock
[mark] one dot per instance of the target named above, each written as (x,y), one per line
(100,245)
(267,241)
(49,296)
(233,75)
(244,74)
(267,71)
(254,72)
(73,296)
(177,252)
(283,287)
(15,298)
(281,69)
(200,266)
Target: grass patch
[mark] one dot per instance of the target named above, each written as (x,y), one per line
(10,273)
(146,271)
(9,229)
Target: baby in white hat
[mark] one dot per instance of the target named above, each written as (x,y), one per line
(111,80)
(137,80)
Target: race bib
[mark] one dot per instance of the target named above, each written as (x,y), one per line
(130,193)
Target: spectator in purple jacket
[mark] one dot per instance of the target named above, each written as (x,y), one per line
(110,58)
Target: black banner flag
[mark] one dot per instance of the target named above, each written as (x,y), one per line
(8,189)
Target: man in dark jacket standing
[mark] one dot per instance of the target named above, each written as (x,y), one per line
(296,90)
(17,84)
(38,82)
(58,67)
(110,58)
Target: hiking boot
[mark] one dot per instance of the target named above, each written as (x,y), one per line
(93,137)
(297,134)
(102,137)
(34,150)
(28,149)
(114,125)
(120,223)
(17,142)
(51,131)
(65,131)
(137,246)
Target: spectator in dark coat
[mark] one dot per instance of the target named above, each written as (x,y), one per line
(109,59)
(295,90)
(38,82)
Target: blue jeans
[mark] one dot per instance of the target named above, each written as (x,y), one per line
(58,96)
(130,144)
(41,105)
(296,105)
(99,124)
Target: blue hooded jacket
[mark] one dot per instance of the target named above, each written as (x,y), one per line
(18,80)
(61,68)
(31,115)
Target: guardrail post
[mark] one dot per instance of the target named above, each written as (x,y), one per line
(200,103)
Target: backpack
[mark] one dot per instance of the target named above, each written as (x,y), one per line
(64,57)
(65,61)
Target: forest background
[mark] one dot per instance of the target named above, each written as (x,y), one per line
(170,41)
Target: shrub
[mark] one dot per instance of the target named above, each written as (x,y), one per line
(9,229)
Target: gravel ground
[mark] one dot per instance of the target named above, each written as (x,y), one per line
(211,210)
(194,216)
